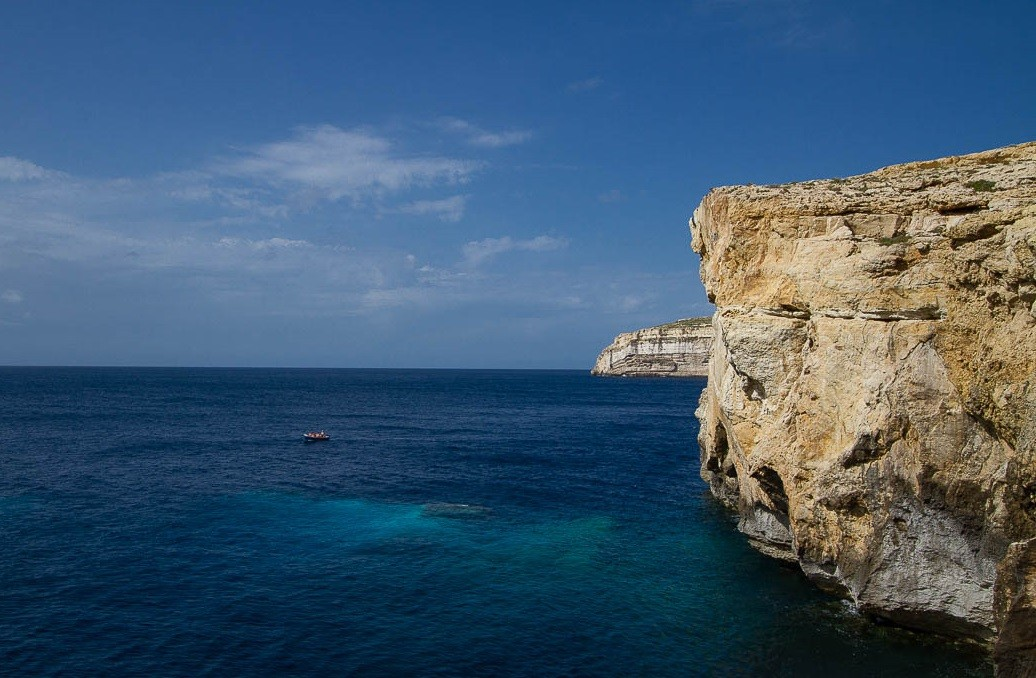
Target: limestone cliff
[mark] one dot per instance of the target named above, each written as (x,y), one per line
(676,349)
(871,407)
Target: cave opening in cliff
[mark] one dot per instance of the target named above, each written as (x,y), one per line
(718,461)
(772,486)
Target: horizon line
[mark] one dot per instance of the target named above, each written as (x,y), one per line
(288,367)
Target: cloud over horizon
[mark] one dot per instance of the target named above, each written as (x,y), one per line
(477,136)
(238,230)
(478,252)
(16,169)
(324,225)
(447,209)
(335,163)
(11,296)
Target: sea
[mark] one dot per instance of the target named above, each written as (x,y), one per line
(173,522)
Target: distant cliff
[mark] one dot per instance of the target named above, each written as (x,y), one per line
(871,406)
(676,349)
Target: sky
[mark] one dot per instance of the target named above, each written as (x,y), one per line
(438,184)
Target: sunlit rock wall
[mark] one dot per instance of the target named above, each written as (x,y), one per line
(870,406)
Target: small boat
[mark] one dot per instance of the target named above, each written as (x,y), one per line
(315,436)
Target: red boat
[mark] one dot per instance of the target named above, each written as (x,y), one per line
(315,436)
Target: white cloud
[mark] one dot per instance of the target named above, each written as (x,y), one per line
(498,139)
(226,236)
(614,195)
(628,303)
(337,163)
(447,209)
(479,251)
(476,136)
(15,169)
(198,187)
(232,231)
(263,245)
(11,296)
(271,183)
(585,85)
(378,299)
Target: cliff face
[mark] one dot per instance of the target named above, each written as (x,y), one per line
(677,349)
(871,407)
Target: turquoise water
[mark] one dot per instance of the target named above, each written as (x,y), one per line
(172,522)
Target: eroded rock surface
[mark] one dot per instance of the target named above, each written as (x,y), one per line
(1015,609)
(871,407)
(676,349)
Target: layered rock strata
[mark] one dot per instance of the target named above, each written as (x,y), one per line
(871,406)
(676,349)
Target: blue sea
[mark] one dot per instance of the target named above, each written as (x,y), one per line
(173,522)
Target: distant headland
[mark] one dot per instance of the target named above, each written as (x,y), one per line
(677,349)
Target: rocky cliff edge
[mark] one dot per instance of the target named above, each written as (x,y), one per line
(871,406)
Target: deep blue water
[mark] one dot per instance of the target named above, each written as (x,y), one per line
(173,522)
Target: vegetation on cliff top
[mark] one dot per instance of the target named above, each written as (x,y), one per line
(687,322)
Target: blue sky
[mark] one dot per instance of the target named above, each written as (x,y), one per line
(438,184)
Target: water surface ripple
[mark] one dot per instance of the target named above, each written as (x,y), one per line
(172,522)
